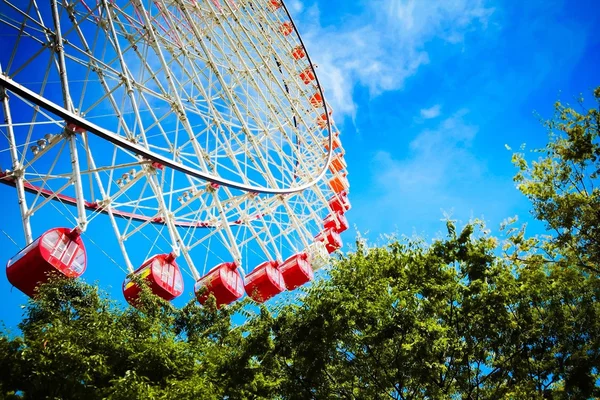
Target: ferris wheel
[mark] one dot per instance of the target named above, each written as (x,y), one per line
(195,129)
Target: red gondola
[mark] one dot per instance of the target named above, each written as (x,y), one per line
(296,271)
(339,183)
(59,250)
(322,121)
(274,5)
(298,53)
(316,100)
(331,238)
(340,202)
(223,281)
(336,222)
(337,163)
(286,28)
(335,143)
(265,281)
(163,277)
(307,76)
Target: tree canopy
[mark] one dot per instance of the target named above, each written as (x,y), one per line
(464,316)
(563,185)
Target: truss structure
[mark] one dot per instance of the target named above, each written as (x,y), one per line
(196,127)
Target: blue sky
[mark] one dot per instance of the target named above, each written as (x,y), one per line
(426,94)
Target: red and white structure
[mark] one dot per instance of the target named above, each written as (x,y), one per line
(162,275)
(195,132)
(58,252)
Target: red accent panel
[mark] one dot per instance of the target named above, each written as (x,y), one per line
(274,5)
(316,100)
(286,28)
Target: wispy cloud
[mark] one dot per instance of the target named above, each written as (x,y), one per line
(381,54)
(431,112)
(438,159)
(441,172)
(296,6)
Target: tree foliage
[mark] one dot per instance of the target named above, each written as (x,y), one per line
(77,344)
(442,321)
(465,316)
(563,184)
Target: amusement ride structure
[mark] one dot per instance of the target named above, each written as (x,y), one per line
(196,128)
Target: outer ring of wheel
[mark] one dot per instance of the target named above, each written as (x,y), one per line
(105,134)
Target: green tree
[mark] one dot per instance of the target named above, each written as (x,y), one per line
(447,320)
(77,344)
(563,185)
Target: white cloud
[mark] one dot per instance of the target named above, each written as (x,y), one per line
(385,44)
(296,6)
(438,160)
(440,173)
(431,112)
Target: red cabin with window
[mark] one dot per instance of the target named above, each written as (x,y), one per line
(274,4)
(265,282)
(286,28)
(223,281)
(58,251)
(337,163)
(296,271)
(307,76)
(331,239)
(335,142)
(298,53)
(339,183)
(340,203)
(336,222)
(316,100)
(162,275)
(322,121)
